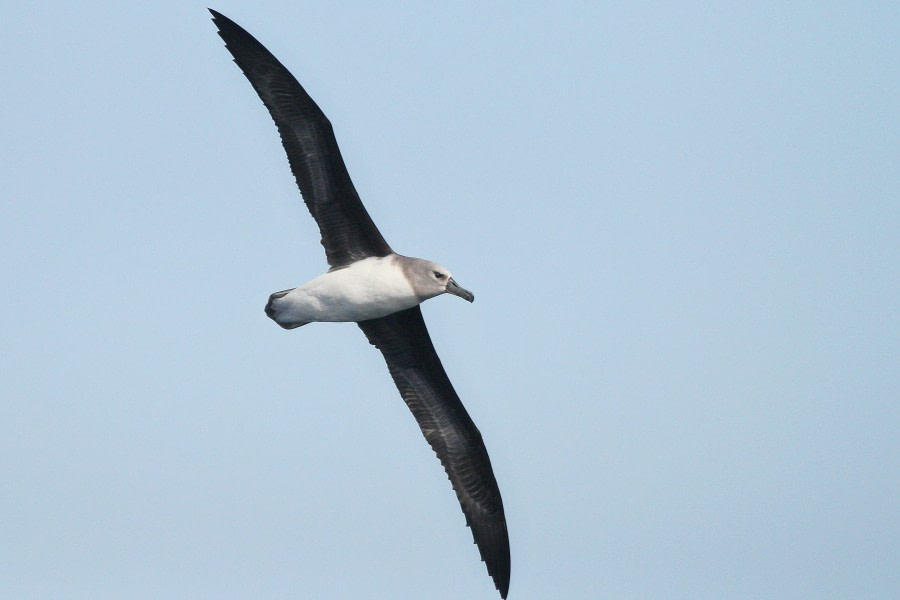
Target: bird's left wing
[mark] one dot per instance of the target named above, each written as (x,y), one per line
(413,363)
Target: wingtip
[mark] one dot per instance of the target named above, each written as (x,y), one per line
(221,20)
(499,566)
(495,556)
(501,582)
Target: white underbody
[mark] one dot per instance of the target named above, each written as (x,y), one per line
(367,289)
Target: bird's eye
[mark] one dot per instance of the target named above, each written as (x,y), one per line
(439,275)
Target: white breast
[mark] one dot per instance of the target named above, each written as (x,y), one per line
(367,289)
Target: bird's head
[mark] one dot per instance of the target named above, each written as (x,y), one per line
(430,279)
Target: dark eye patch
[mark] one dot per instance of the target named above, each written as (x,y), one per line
(438,274)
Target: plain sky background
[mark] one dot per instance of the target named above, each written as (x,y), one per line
(682,226)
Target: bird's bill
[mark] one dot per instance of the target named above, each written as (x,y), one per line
(455,289)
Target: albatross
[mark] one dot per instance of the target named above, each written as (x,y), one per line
(370,284)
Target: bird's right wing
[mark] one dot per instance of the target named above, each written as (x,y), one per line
(348,233)
(413,363)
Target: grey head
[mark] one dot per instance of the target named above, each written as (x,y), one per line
(429,279)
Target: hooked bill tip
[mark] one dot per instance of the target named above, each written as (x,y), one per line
(457,290)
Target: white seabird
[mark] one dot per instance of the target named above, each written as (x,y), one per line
(370,284)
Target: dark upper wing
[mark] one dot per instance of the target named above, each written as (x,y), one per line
(426,389)
(348,233)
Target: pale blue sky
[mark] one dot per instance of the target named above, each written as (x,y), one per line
(681,225)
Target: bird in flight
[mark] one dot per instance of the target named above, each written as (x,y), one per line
(368,283)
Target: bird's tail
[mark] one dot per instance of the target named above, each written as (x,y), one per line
(274,312)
